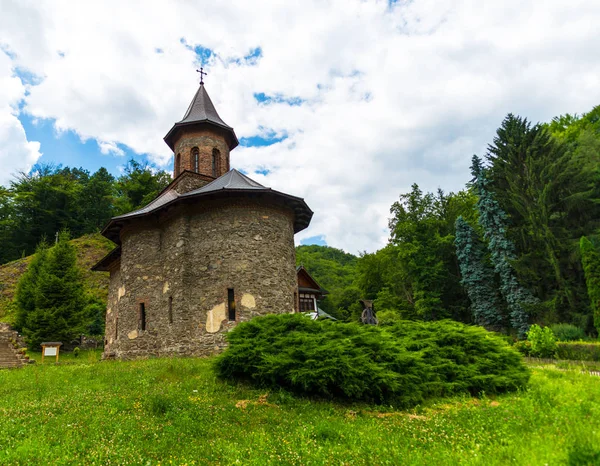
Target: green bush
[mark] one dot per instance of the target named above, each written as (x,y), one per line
(76,352)
(567,332)
(401,364)
(388,316)
(523,347)
(543,341)
(578,351)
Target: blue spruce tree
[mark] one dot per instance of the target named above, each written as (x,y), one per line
(493,221)
(478,277)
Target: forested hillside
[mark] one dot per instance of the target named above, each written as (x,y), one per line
(49,199)
(504,252)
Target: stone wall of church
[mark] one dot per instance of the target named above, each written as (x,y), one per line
(177,270)
(205,141)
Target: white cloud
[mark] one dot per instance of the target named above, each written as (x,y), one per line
(393,94)
(16,153)
(108,147)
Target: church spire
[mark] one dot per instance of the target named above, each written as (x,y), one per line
(201,109)
(202,112)
(201,140)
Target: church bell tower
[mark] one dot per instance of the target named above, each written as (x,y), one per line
(201,141)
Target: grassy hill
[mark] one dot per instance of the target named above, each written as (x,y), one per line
(90,249)
(174,411)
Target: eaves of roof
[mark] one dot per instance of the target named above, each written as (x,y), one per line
(218,189)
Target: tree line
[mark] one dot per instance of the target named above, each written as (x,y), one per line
(38,204)
(518,245)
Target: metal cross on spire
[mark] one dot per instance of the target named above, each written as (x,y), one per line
(202,74)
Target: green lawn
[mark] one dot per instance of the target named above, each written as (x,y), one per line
(174,411)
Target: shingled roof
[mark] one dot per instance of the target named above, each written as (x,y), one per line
(233,179)
(231,184)
(201,111)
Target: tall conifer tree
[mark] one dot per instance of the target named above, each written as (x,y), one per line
(590,257)
(477,276)
(28,285)
(58,297)
(494,223)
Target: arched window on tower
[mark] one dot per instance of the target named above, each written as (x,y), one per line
(177,164)
(196,159)
(216,158)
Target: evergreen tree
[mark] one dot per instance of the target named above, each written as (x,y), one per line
(477,276)
(96,200)
(59,299)
(422,229)
(8,247)
(27,287)
(547,189)
(590,257)
(138,186)
(493,220)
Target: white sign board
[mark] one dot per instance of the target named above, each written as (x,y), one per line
(50,351)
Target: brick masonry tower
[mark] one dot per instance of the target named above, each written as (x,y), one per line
(215,248)
(201,141)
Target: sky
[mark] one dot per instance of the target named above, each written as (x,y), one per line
(344,103)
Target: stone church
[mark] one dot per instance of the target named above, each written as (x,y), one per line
(213,249)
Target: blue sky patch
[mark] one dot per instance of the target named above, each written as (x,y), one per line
(261,141)
(203,54)
(253,57)
(263,98)
(266,137)
(27,77)
(68,150)
(319,240)
(262,171)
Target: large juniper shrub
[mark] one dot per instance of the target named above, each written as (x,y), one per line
(401,364)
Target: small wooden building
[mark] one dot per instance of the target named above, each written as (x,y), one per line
(309,291)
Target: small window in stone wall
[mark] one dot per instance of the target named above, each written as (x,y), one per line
(196,159)
(170,309)
(116,327)
(216,156)
(177,164)
(142,318)
(231,303)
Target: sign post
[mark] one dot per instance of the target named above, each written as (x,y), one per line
(51,348)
